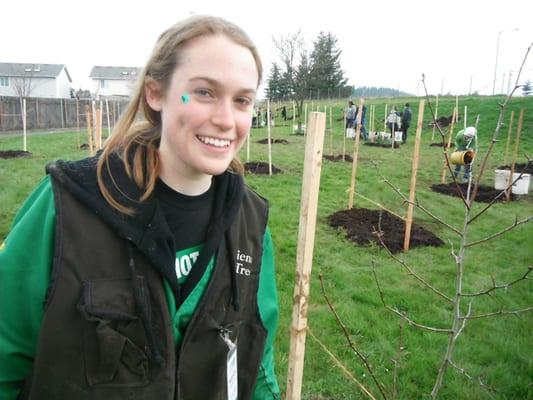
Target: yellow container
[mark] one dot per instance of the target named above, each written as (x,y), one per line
(462,157)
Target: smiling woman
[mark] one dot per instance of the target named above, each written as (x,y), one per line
(154,259)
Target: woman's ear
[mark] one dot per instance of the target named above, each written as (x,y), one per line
(152,93)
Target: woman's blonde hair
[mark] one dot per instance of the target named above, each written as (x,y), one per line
(137,135)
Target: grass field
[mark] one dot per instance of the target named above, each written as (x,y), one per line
(497,350)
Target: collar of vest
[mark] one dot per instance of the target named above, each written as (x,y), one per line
(147,229)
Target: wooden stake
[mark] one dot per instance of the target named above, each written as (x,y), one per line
(344,137)
(330,131)
(385,119)
(304,255)
(465,116)
(355,152)
(269,139)
(98,129)
(448,145)
(89,130)
(412,188)
(305,119)
(508,138)
(108,122)
(78,120)
(436,116)
(457,108)
(515,154)
(24,125)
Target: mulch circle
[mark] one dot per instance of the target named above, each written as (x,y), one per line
(14,154)
(388,146)
(360,223)
(260,168)
(336,158)
(485,194)
(518,168)
(265,141)
(84,146)
(437,144)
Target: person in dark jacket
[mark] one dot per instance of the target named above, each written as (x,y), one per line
(407,114)
(153,259)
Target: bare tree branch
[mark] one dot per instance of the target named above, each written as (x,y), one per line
(342,367)
(361,356)
(444,146)
(501,193)
(396,362)
(501,312)
(460,330)
(498,126)
(417,203)
(379,235)
(495,287)
(514,225)
(400,314)
(478,379)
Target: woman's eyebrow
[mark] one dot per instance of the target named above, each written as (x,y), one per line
(216,83)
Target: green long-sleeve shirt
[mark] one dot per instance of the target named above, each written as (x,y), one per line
(25,267)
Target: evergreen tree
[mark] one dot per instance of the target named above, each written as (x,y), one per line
(527,89)
(326,75)
(274,83)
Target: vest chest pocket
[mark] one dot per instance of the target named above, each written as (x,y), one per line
(115,345)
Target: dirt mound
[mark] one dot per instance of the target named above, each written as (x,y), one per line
(360,223)
(437,144)
(14,154)
(387,145)
(519,167)
(272,140)
(485,194)
(260,168)
(84,146)
(336,158)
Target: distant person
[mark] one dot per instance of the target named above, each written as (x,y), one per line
(364,133)
(407,114)
(350,115)
(465,139)
(284,113)
(393,122)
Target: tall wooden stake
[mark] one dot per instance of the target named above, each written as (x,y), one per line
(78,120)
(355,153)
(269,129)
(515,154)
(385,119)
(98,129)
(89,130)
(412,188)
(304,254)
(448,145)
(24,125)
(508,138)
(108,121)
(330,131)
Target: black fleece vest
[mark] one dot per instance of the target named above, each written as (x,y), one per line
(93,343)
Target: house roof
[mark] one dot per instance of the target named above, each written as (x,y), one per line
(35,70)
(119,73)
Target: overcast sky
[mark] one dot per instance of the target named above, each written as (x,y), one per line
(384,43)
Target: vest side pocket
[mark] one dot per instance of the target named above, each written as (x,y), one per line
(115,345)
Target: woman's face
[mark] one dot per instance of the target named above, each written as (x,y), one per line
(206,112)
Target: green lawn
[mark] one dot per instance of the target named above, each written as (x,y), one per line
(497,350)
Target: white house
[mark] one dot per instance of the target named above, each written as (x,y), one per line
(34,80)
(114,81)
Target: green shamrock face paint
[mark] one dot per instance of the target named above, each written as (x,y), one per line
(185,98)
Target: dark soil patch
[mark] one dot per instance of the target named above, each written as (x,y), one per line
(336,158)
(387,145)
(360,223)
(260,168)
(437,144)
(14,154)
(84,146)
(518,168)
(485,194)
(265,141)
